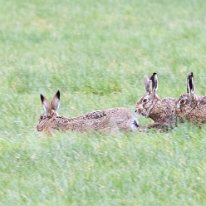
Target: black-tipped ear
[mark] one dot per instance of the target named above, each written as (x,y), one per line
(42,98)
(55,103)
(58,94)
(154,80)
(190,83)
(45,103)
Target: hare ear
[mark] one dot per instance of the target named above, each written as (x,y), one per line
(190,84)
(148,84)
(154,80)
(55,103)
(45,103)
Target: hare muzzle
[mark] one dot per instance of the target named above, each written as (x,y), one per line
(139,109)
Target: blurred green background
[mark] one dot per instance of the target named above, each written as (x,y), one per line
(96,53)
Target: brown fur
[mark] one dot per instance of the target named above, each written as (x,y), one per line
(190,106)
(105,121)
(161,111)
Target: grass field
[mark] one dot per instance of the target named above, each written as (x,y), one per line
(96,53)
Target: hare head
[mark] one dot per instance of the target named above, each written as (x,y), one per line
(161,111)
(146,103)
(187,102)
(50,110)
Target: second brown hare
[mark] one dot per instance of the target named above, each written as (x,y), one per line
(161,111)
(105,121)
(190,106)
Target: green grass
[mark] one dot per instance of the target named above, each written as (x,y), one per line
(96,53)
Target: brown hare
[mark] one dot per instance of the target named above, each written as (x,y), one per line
(104,121)
(161,111)
(190,106)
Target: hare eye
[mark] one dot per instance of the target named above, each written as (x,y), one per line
(182,101)
(144,100)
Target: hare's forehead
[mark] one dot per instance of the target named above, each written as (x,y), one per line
(142,98)
(185,96)
(147,96)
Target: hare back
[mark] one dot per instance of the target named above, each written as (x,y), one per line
(104,120)
(113,112)
(169,100)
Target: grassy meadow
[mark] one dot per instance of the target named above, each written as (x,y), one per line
(96,53)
